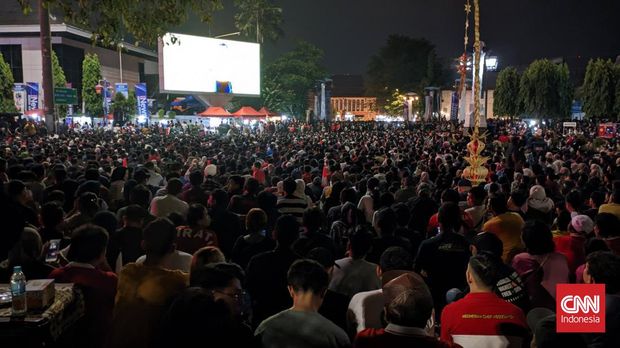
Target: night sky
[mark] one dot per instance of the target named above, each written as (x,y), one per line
(517,31)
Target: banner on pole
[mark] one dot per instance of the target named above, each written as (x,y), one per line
(32,91)
(141,99)
(454,107)
(122,88)
(19,97)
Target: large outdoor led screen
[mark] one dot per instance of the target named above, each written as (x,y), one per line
(198,64)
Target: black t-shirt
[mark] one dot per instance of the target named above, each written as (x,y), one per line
(267,283)
(243,250)
(442,260)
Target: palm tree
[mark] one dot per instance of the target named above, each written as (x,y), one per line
(260,17)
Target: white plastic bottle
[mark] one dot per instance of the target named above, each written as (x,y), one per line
(18,292)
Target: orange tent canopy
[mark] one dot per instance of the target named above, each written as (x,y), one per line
(266,111)
(248,111)
(215,111)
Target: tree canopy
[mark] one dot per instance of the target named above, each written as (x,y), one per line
(289,78)
(599,89)
(91,74)
(7,104)
(110,20)
(545,90)
(404,63)
(259,18)
(506,95)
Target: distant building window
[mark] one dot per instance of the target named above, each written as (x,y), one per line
(13,56)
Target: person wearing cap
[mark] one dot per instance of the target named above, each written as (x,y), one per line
(481,318)
(572,244)
(334,306)
(366,308)
(301,325)
(408,308)
(539,206)
(170,203)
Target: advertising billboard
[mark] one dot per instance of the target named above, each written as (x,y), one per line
(196,64)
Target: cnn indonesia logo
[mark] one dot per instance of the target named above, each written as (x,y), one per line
(581,308)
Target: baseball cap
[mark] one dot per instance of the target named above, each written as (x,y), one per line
(582,223)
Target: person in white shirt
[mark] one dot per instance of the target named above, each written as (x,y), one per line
(162,206)
(354,274)
(367,202)
(155,179)
(366,308)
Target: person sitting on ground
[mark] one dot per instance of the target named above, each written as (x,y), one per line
(505,225)
(354,274)
(195,315)
(508,285)
(492,322)
(224,281)
(334,306)
(314,235)
(206,256)
(408,309)
(86,255)
(27,254)
(540,257)
(162,206)
(613,207)
(291,204)
(448,248)
(145,289)
(125,244)
(266,272)
(603,267)
(256,241)
(607,227)
(241,204)
(299,325)
(573,244)
(385,225)
(197,233)
(366,308)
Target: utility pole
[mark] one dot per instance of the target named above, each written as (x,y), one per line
(46,63)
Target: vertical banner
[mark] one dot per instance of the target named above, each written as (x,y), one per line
(454,107)
(19,97)
(143,110)
(122,88)
(32,92)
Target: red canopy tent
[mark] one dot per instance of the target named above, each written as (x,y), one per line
(248,111)
(266,112)
(215,111)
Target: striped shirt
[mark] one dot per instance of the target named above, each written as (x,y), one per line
(291,205)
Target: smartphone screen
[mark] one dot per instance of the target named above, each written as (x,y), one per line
(53,250)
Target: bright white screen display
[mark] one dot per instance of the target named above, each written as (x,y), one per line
(199,64)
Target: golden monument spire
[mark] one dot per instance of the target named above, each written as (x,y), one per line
(476,172)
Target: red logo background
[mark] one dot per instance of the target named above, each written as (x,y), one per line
(580,321)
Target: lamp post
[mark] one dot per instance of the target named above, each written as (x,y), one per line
(120,60)
(102,89)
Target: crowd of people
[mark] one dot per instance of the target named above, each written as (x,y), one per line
(315,235)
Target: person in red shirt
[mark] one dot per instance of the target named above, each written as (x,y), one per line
(482,319)
(573,243)
(258,173)
(86,255)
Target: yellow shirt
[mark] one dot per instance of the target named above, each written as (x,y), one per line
(142,296)
(507,227)
(611,208)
